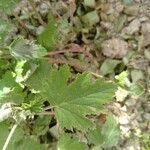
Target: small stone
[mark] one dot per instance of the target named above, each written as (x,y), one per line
(125,130)
(115,48)
(43,9)
(143,19)
(146,116)
(119,7)
(132,28)
(124,108)
(146,40)
(147,54)
(123,119)
(145,27)
(130,102)
(39,30)
(136,75)
(139,118)
(132,10)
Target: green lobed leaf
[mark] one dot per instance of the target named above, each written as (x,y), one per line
(18,141)
(23,49)
(106,135)
(108,66)
(72,102)
(68,143)
(48,38)
(10,91)
(90,18)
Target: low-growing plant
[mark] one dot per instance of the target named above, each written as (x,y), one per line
(39,100)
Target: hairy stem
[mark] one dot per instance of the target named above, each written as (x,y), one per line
(73,50)
(9,137)
(59,61)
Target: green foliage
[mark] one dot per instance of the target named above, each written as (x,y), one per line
(146,140)
(28,84)
(10,91)
(56,33)
(26,50)
(48,38)
(40,126)
(108,66)
(90,18)
(127,88)
(8,5)
(106,135)
(68,143)
(5,29)
(137,89)
(72,102)
(89,3)
(19,140)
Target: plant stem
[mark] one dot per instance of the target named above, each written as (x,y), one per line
(73,50)
(59,61)
(95,74)
(9,137)
(37,13)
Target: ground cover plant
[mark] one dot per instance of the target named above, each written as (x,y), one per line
(49,99)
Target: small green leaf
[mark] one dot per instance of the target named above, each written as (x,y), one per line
(91,18)
(89,3)
(48,38)
(108,66)
(123,79)
(26,50)
(41,125)
(68,143)
(136,89)
(121,94)
(72,102)
(119,23)
(95,136)
(106,135)
(10,91)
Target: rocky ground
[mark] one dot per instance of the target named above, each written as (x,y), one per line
(116,34)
